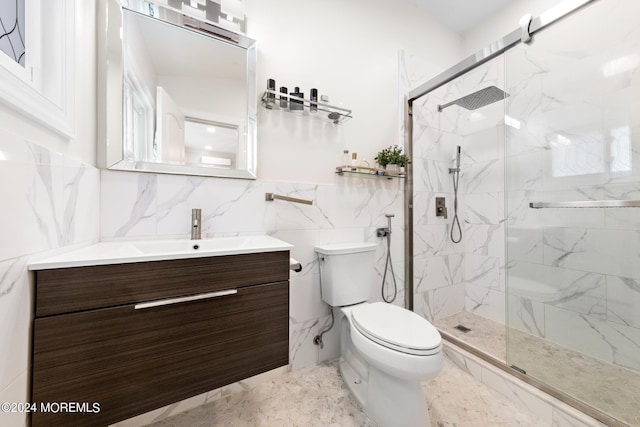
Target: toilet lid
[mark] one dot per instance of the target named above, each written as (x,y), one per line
(396,328)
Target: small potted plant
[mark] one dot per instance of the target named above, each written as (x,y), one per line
(392,159)
(402,161)
(383,158)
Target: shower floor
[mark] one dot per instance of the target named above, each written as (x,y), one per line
(609,388)
(485,334)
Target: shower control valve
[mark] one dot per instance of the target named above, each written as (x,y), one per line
(382,232)
(441,207)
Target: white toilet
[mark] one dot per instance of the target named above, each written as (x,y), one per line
(385,351)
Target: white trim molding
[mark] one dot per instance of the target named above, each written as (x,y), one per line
(46,91)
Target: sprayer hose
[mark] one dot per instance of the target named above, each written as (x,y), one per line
(456,221)
(388,264)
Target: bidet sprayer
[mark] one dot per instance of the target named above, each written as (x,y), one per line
(385,231)
(389,216)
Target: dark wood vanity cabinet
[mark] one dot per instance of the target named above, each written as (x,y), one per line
(134,337)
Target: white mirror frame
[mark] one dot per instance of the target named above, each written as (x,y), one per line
(110,101)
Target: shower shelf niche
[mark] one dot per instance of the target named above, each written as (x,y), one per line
(325,112)
(347,170)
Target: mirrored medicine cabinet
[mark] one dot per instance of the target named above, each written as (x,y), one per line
(176,94)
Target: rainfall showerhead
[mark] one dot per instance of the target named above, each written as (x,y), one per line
(478,99)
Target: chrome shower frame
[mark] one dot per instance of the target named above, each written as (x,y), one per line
(522,34)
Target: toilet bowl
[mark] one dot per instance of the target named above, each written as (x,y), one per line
(386,377)
(386,351)
(396,340)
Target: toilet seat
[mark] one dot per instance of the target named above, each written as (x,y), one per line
(396,328)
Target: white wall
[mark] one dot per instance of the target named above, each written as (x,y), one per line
(502,23)
(50,199)
(83,146)
(349,51)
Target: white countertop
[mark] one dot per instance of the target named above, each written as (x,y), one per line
(154,250)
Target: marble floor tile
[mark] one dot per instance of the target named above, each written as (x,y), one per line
(316,396)
(610,388)
(307,397)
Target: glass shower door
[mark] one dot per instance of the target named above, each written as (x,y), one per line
(573,273)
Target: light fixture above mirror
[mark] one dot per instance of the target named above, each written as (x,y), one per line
(228,14)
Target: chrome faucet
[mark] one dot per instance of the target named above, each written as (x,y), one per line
(196,225)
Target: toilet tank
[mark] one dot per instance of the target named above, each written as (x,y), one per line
(346,272)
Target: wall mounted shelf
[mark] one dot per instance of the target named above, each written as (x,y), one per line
(273,100)
(359,170)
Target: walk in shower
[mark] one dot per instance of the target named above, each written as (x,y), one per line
(546,279)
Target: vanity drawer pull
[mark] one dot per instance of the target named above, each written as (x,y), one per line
(170,301)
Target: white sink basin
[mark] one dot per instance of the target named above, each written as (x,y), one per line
(182,246)
(153,250)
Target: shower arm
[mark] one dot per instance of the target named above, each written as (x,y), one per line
(443,106)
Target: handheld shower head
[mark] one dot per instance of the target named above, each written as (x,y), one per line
(457,168)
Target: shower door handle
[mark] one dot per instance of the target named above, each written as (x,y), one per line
(587,204)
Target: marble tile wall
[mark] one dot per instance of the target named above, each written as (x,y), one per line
(571,271)
(50,201)
(449,277)
(139,205)
(568,131)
